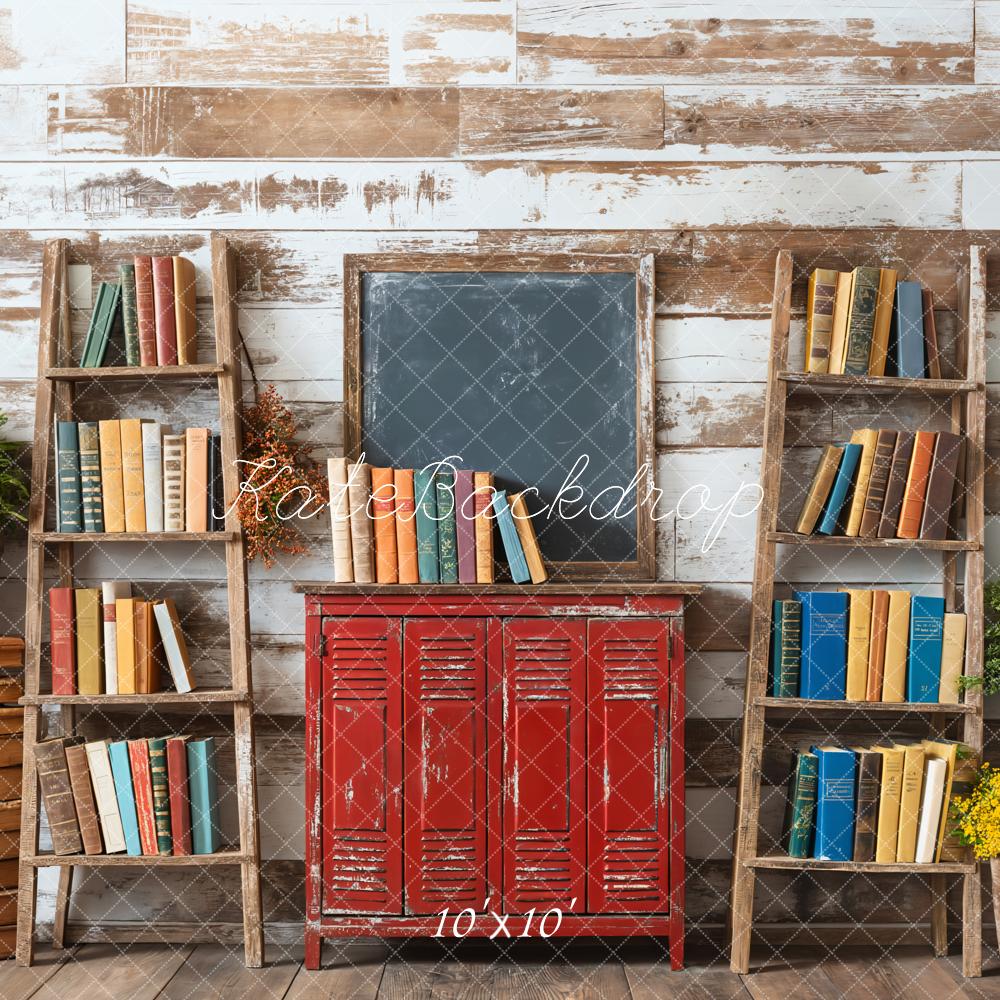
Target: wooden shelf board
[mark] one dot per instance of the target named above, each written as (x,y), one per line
(223,857)
(596,589)
(196,697)
(863,706)
(100,537)
(126,374)
(947,545)
(873,867)
(865,383)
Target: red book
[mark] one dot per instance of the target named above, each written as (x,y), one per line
(145,310)
(63,641)
(465,525)
(180,800)
(142,785)
(166,320)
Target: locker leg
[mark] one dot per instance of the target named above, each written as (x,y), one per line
(314,945)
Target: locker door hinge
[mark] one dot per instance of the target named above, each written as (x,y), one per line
(670,643)
(321,644)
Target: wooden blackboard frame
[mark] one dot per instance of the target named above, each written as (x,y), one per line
(643,567)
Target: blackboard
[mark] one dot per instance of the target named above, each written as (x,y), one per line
(518,371)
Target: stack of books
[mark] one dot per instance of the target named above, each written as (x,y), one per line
(135,475)
(887,804)
(866,645)
(886,484)
(108,642)
(149,314)
(865,322)
(144,796)
(426,526)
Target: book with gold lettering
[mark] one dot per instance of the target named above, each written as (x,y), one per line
(819,318)
(859,621)
(952,657)
(861,320)
(482,504)
(909,802)
(384,525)
(134,491)
(841,312)
(868,439)
(897,639)
(888,804)
(819,489)
(89,669)
(406,526)
(876,647)
(871,515)
(112,489)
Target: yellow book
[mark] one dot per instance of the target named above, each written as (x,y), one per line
(526,535)
(112,493)
(132,484)
(89,627)
(841,312)
(897,640)
(909,803)
(952,657)
(868,439)
(819,489)
(859,625)
(883,318)
(125,643)
(819,319)
(890,794)
(946,750)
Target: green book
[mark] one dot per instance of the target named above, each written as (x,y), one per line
(161,794)
(802,806)
(427,526)
(69,513)
(202,791)
(102,321)
(861,320)
(791,650)
(447,537)
(774,662)
(130,314)
(90,476)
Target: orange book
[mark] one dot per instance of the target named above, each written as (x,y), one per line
(916,485)
(384,515)
(147,669)
(406,526)
(196,479)
(132,481)
(877,644)
(482,505)
(184,311)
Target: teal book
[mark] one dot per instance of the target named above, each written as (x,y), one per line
(790,660)
(801,814)
(130,313)
(102,322)
(508,535)
(428,568)
(90,476)
(923,662)
(836,774)
(774,663)
(121,771)
(161,795)
(203,793)
(841,485)
(446,525)
(69,504)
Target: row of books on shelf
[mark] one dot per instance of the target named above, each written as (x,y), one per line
(426,526)
(147,318)
(887,804)
(135,475)
(144,796)
(108,642)
(866,322)
(886,484)
(867,645)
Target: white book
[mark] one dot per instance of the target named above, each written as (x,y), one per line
(173,482)
(930,810)
(152,474)
(104,796)
(174,646)
(111,590)
(340,520)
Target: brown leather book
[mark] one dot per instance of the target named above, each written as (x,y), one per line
(406,526)
(180,799)
(145,310)
(147,667)
(184,311)
(83,798)
(384,522)
(911,512)
(877,643)
(875,500)
(166,316)
(896,486)
(196,479)
(57,794)
(930,336)
(819,489)
(941,486)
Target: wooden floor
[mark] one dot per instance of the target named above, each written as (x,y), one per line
(427,971)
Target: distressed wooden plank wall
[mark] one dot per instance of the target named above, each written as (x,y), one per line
(708,134)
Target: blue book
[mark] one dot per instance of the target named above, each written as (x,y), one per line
(774,671)
(424,492)
(511,543)
(907,332)
(835,791)
(203,793)
(823,670)
(447,538)
(121,771)
(923,664)
(841,484)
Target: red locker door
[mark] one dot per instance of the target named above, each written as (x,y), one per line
(628,739)
(445,783)
(362,766)
(544,811)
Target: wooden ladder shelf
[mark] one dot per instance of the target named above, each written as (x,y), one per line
(968,416)
(54,400)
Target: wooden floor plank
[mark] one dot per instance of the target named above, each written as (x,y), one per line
(349,972)
(656,981)
(799,975)
(861,974)
(214,971)
(985,988)
(20,983)
(115,972)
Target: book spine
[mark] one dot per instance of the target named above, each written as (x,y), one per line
(152,475)
(180,806)
(861,321)
(406,526)
(896,485)
(952,657)
(868,439)
(147,670)
(824,645)
(359,492)
(841,313)
(508,535)
(912,509)
(340,520)
(896,646)
(217,486)
(841,485)
(880,325)
(88,641)
(483,507)
(105,797)
(163,303)
(858,642)
(174,645)
(866,813)
(68,476)
(174,461)
(930,336)
(83,798)
(803,807)
(909,804)
(427,526)
(910,359)
(465,526)
(937,513)
(98,318)
(202,793)
(132,475)
(935,771)
(526,536)
(819,319)
(62,644)
(161,794)
(90,477)
(142,787)
(130,313)
(145,308)
(196,479)
(112,488)
(57,795)
(125,644)
(444,483)
(878,482)
(890,793)
(384,526)
(110,591)
(877,645)
(819,489)
(923,674)
(125,793)
(835,806)
(185,298)
(774,660)
(791,649)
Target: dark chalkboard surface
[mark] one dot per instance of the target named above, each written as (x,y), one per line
(519,372)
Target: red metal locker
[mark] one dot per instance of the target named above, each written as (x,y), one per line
(362,765)
(544,729)
(629,768)
(445,737)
